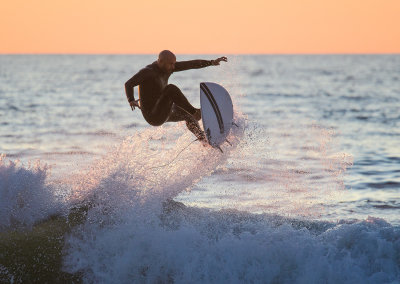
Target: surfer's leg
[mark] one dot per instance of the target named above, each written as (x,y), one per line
(174,103)
(178,114)
(161,111)
(174,94)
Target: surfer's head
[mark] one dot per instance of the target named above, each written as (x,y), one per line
(166,61)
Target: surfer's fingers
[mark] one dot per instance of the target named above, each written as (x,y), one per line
(221,59)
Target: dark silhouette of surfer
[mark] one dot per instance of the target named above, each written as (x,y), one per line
(161,102)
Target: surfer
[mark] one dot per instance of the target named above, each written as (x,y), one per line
(162,102)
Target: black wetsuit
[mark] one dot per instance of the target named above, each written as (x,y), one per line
(160,101)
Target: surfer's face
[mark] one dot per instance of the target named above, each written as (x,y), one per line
(167,64)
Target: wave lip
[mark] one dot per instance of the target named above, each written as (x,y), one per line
(191,245)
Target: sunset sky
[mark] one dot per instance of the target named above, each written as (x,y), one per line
(193,26)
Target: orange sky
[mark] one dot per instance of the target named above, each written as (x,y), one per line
(200,26)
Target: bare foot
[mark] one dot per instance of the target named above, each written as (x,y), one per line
(204,143)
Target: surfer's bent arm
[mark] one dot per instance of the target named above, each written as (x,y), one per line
(191,64)
(136,80)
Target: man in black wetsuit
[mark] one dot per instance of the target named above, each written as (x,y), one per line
(162,102)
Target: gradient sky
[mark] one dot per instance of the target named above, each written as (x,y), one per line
(193,26)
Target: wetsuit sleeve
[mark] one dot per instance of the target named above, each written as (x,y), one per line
(191,64)
(136,80)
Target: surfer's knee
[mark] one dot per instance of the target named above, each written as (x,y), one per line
(171,88)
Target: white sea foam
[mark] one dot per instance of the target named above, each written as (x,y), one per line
(187,245)
(135,233)
(25,197)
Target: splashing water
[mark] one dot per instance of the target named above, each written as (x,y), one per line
(25,198)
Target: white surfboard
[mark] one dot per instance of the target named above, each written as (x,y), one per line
(216,113)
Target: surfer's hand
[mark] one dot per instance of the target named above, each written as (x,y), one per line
(218,60)
(134,103)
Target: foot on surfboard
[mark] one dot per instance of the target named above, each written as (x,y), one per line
(201,136)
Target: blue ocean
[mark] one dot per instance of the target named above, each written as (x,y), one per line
(308,192)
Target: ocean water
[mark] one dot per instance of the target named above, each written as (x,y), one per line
(309,191)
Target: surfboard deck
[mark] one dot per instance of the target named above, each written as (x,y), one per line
(216,113)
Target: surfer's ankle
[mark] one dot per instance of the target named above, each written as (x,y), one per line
(203,141)
(201,136)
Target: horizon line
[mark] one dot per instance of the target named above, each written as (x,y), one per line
(207,53)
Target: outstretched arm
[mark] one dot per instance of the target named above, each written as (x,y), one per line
(195,64)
